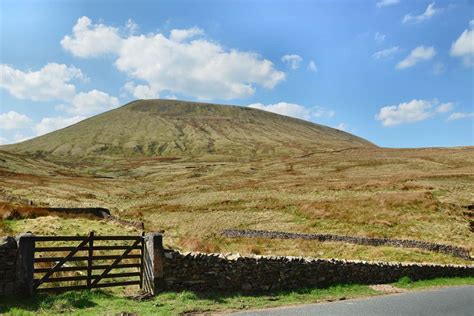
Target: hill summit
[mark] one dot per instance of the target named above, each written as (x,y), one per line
(180,128)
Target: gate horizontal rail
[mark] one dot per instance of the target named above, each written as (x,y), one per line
(95,267)
(85,287)
(53,249)
(82,258)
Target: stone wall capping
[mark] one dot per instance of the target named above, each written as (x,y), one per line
(233,256)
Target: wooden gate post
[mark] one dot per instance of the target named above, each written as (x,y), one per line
(25,263)
(153,263)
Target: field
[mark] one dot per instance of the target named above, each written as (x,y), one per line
(419,194)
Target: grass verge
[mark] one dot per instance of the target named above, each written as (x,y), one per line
(407,283)
(176,303)
(171,303)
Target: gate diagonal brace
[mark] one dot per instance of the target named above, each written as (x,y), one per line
(60,263)
(116,261)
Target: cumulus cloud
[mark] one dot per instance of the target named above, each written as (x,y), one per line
(445,107)
(411,112)
(92,40)
(131,27)
(386,53)
(420,53)
(312,66)
(460,116)
(141,91)
(386,3)
(52,82)
(92,102)
(293,61)
(294,110)
(179,35)
(183,63)
(428,14)
(13,120)
(379,37)
(463,47)
(49,124)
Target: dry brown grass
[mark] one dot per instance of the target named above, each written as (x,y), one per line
(397,193)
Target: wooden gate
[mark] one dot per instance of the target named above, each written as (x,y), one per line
(86,265)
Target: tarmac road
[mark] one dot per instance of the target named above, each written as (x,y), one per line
(445,301)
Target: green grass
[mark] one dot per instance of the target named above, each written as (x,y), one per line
(407,283)
(176,303)
(171,303)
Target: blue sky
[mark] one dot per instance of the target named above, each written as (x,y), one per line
(399,73)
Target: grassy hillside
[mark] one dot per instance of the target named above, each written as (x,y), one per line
(417,194)
(194,169)
(178,128)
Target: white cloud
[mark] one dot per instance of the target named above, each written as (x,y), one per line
(293,61)
(379,37)
(319,111)
(13,120)
(198,68)
(386,3)
(52,82)
(49,124)
(464,46)
(131,27)
(445,107)
(386,53)
(92,40)
(411,112)
(185,63)
(284,108)
(180,35)
(420,53)
(141,91)
(460,116)
(312,66)
(294,110)
(428,14)
(92,102)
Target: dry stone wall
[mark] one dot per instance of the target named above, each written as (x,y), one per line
(218,272)
(402,243)
(8,261)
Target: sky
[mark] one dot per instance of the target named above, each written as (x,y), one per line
(399,73)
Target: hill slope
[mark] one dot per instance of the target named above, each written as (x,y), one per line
(179,128)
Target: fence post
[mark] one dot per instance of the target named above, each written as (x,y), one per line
(153,263)
(25,263)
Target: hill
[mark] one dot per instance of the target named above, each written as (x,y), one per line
(306,178)
(179,128)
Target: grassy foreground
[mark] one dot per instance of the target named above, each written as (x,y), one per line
(173,303)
